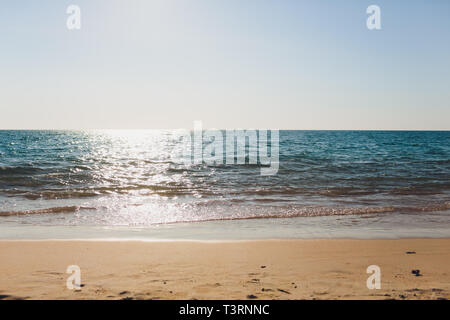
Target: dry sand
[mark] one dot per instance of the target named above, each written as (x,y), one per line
(272,269)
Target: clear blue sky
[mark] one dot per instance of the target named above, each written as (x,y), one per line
(248,63)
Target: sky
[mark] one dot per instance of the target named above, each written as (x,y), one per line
(275,64)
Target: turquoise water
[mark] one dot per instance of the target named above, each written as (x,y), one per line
(126,184)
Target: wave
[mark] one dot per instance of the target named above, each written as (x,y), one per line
(68,209)
(99,191)
(178,190)
(24,170)
(217,212)
(324,212)
(303,212)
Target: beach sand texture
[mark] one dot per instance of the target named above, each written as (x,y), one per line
(265,269)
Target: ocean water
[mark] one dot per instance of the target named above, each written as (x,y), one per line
(126,185)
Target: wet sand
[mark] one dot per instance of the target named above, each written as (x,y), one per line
(264,269)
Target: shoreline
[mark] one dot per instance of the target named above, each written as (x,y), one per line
(404,226)
(265,269)
(206,241)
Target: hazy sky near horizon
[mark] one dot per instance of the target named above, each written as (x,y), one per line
(230,63)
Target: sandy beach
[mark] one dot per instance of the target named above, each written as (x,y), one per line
(266,269)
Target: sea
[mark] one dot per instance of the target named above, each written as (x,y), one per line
(127,185)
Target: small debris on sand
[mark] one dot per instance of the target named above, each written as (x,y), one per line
(416,273)
(284,291)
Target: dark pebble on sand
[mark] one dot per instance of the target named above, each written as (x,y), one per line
(251,296)
(416,272)
(123,292)
(262,267)
(410,252)
(284,291)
